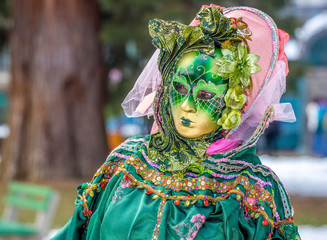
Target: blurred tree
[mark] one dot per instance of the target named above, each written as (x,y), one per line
(56,91)
(5,22)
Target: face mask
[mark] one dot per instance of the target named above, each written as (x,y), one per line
(197,95)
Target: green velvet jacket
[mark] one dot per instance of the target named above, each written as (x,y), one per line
(236,197)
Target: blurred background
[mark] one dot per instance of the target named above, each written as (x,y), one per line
(66,66)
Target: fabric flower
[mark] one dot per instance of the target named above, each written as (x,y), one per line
(230,119)
(237,66)
(251,201)
(235,97)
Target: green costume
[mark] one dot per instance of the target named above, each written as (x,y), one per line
(165,186)
(128,205)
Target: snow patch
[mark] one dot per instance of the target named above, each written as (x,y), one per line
(308,232)
(301,175)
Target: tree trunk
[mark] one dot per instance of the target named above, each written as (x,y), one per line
(56,92)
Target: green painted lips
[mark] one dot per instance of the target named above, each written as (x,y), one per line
(186,122)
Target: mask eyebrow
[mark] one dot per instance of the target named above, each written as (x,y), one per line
(219,90)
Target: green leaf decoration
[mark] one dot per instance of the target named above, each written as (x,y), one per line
(237,66)
(235,97)
(230,119)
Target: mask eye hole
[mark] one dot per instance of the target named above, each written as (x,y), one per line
(180,88)
(203,94)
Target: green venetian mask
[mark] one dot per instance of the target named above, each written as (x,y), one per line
(192,83)
(197,94)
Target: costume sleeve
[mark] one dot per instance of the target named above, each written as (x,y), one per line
(89,199)
(89,195)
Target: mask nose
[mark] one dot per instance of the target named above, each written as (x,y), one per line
(188,105)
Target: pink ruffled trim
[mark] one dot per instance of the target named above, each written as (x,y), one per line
(283,39)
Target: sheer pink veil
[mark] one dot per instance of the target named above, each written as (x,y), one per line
(139,100)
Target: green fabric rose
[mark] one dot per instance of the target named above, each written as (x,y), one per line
(237,66)
(230,119)
(289,231)
(235,97)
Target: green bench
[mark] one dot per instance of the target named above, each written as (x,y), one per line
(40,200)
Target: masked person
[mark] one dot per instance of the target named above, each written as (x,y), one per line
(213,87)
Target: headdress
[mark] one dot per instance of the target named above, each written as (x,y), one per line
(214,26)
